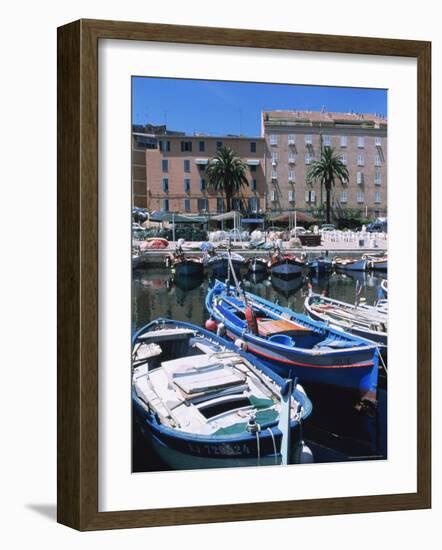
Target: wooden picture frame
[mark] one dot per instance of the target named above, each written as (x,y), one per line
(78,274)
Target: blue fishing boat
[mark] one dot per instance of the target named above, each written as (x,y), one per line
(286,266)
(350,264)
(291,342)
(218,264)
(203,403)
(257,265)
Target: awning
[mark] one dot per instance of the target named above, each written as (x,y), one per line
(252,162)
(252,220)
(301,217)
(202,161)
(176,218)
(226,216)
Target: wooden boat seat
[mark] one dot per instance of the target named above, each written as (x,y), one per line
(167,334)
(277,326)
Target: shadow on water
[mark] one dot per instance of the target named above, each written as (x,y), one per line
(335,432)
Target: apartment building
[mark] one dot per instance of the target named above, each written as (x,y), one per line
(293,140)
(144,137)
(176,180)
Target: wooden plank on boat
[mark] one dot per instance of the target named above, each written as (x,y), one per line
(166,333)
(275,326)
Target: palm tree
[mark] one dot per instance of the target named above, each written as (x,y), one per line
(327,170)
(226,173)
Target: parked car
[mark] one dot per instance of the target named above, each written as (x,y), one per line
(377,227)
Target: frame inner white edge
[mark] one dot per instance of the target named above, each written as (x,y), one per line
(119,489)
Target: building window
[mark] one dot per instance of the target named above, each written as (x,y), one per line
(343,141)
(253,204)
(253,185)
(308,159)
(360,160)
(377,177)
(274,175)
(292,175)
(361,142)
(165,165)
(186,146)
(201,146)
(360,197)
(377,160)
(202,184)
(186,185)
(273,139)
(378,141)
(274,157)
(291,139)
(344,196)
(187,205)
(219,145)
(292,158)
(359,178)
(165,185)
(343,159)
(310,197)
(273,196)
(186,165)
(164,146)
(326,141)
(220,204)
(252,168)
(236,204)
(291,196)
(253,146)
(377,197)
(308,140)
(166,205)
(203,205)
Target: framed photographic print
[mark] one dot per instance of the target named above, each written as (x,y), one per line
(243,275)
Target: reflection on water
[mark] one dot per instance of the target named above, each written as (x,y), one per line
(333,432)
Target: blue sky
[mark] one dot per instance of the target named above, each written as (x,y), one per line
(218,108)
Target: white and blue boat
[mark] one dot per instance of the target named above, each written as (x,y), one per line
(363,320)
(203,403)
(290,342)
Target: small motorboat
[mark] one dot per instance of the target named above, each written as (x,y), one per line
(320,265)
(157,243)
(220,267)
(285,265)
(185,265)
(350,264)
(377,262)
(370,322)
(292,342)
(205,404)
(257,265)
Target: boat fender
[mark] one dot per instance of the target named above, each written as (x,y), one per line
(305,454)
(211,325)
(251,320)
(240,344)
(221,329)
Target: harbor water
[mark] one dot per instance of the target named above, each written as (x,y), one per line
(334,433)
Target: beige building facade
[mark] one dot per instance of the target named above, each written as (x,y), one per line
(293,140)
(176,179)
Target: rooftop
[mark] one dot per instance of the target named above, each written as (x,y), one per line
(325,117)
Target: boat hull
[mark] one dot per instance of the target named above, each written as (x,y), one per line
(257,266)
(188,268)
(379,266)
(360,265)
(219,268)
(286,269)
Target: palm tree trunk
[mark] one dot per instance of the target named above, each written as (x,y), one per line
(228,202)
(328,209)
